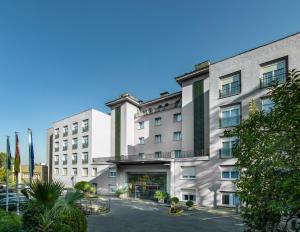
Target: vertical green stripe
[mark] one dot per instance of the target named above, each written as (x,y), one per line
(198,100)
(117,133)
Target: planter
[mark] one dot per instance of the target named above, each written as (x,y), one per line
(175,212)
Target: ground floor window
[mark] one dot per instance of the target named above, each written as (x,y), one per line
(188,194)
(230,199)
(112,188)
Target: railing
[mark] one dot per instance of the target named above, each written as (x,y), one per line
(65,148)
(85,129)
(230,121)
(65,134)
(56,162)
(74,146)
(156,110)
(65,162)
(74,132)
(85,161)
(269,78)
(153,156)
(56,149)
(74,161)
(230,89)
(56,136)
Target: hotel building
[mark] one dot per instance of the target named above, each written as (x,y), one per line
(174,143)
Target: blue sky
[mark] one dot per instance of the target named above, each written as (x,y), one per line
(61,57)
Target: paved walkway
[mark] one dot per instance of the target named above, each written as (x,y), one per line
(137,216)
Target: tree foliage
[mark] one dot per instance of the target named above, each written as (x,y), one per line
(269,158)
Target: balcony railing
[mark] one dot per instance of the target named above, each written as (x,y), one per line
(74,131)
(74,161)
(65,148)
(56,162)
(56,136)
(153,156)
(85,129)
(74,146)
(85,145)
(230,121)
(230,89)
(85,161)
(157,110)
(56,149)
(65,134)
(65,162)
(269,78)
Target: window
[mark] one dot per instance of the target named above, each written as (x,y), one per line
(65,145)
(275,72)
(157,121)
(74,158)
(56,146)
(74,143)
(142,156)
(228,145)
(85,157)
(157,139)
(64,171)
(85,141)
(56,133)
(56,160)
(158,154)
(230,116)
(112,172)
(74,171)
(188,194)
(141,140)
(267,105)
(85,125)
(112,188)
(230,85)
(94,172)
(177,153)
(178,104)
(177,136)
(141,125)
(65,159)
(177,117)
(75,128)
(230,174)
(230,199)
(65,131)
(188,172)
(56,171)
(85,172)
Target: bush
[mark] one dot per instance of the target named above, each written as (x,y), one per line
(83,186)
(32,215)
(189,203)
(174,200)
(76,220)
(121,191)
(160,195)
(9,222)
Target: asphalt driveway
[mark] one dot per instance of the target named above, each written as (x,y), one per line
(138,216)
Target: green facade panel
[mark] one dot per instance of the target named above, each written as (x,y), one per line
(198,100)
(118,133)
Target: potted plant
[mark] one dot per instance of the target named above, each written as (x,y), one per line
(189,204)
(174,210)
(160,196)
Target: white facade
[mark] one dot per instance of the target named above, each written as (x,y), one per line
(179,137)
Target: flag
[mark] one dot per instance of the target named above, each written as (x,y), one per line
(31,153)
(17,156)
(8,154)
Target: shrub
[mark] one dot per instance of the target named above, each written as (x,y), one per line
(9,222)
(121,191)
(160,195)
(189,203)
(174,200)
(76,220)
(85,187)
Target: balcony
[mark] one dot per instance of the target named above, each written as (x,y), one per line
(85,129)
(230,89)
(56,162)
(85,161)
(56,136)
(65,148)
(74,131)
(65,162)
(74,146)
(276,77)
(163,156)
(74,161)
(157,110)
(65,134)
(230,121)
(85,145)
(56,149)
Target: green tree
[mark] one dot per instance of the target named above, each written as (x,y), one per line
(3,170)
(269,158)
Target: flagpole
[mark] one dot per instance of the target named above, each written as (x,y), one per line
(7,162)
(30,168)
